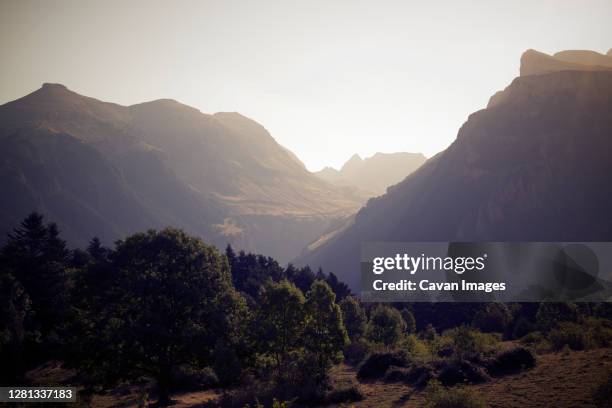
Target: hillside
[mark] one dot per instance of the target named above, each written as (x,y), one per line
(533,166)
(96,166)
(373,175)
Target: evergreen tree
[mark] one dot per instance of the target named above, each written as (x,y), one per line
(37,257)
(303,278)
(341,289)
(15,329)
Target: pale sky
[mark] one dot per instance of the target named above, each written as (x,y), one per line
(327,78)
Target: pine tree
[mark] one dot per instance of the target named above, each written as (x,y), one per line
(38,259)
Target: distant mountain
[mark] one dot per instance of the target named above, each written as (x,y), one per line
(103,169)
(373,175)
(534,166)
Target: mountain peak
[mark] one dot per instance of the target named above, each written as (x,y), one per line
(49,85)
(535,62)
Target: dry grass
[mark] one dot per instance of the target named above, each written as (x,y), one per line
(562,380)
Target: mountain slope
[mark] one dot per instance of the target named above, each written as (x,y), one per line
(533,166)
(158,163)
(374,174)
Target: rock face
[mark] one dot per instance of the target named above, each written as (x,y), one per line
(534,62)
(534,166)
(103,169)
(374,174)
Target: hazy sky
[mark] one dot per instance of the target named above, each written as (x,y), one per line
(326,78)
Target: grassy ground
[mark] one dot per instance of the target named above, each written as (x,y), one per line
(561,380)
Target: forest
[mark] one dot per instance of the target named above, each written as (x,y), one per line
(168,312)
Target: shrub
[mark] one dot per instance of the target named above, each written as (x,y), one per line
(495,317)
(602,394)
(351,393)
(459,397)
(386,326)
(416,348)
(521,328)
(377,364)
(568,333)
(357,351)
(599,332)
(396,374)
(549,314)
(469,343)
(419,375)
(532,338)
(511,361)
(462,371)
(190,379)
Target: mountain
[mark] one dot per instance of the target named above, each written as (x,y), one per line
(533,166)
(99,168)
(534,62)
(373,175)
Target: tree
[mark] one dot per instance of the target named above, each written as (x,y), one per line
(386,325)
(324,333)
(37,257)
(409,320)
(15,329)
(170,303)
(279,321)
(303,278)
(250,271)
(354,316)
(341,289)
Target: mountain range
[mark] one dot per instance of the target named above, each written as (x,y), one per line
(534,165)
(373,175)
(99,168)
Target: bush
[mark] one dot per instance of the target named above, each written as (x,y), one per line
(568,333)
(350,393)
(459,397)
(419,375)
(377,365)
(357,351)
(386,326)
(602,394)
(468,343)
(532,338)
(495,317)
(462,371)
(186,378)
(550,314)
(521,328)
(396,374)
(511,361)
(599,332)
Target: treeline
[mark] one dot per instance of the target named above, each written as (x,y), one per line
(165,306)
